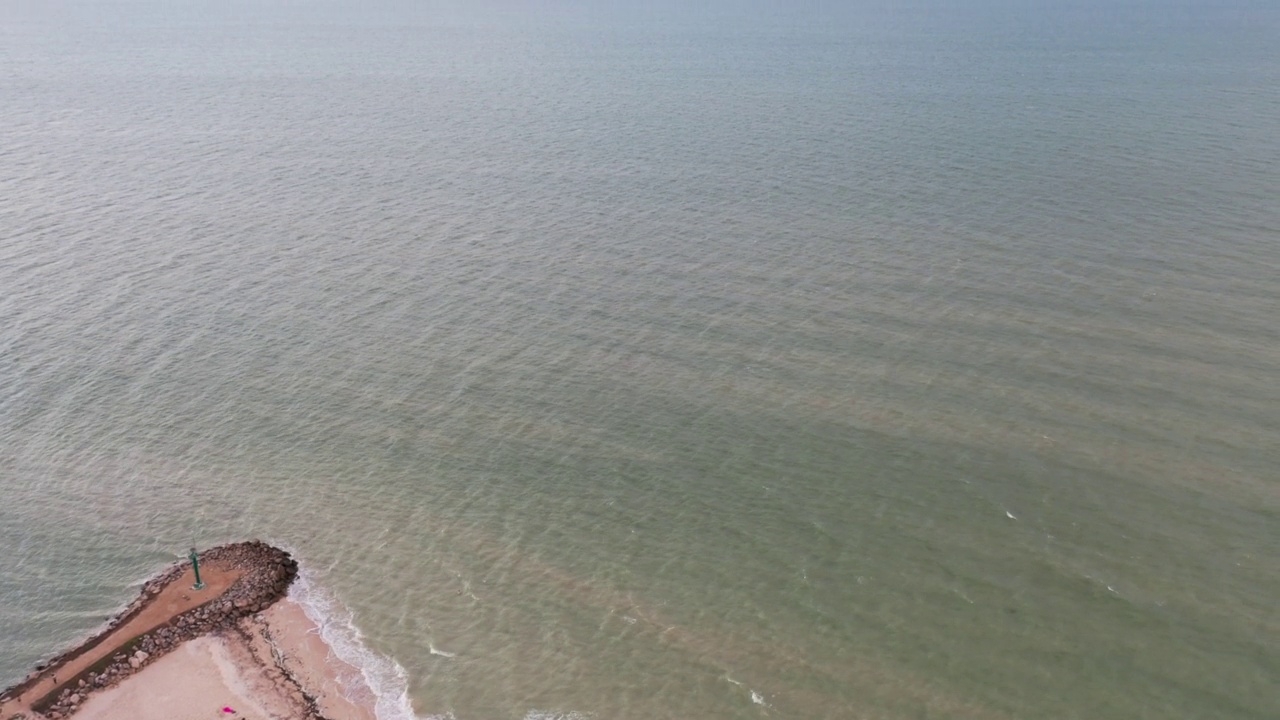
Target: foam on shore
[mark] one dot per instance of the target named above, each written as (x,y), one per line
(381,682)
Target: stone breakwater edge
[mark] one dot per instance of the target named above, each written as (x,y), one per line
(270,574)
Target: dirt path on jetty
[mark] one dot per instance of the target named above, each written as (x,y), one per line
(172,600)
(239,580)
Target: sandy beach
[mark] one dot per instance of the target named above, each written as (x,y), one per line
(235,648)
(273,665)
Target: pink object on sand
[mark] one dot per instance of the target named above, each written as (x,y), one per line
(228,710)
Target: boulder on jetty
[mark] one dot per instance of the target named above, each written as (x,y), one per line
(259,574)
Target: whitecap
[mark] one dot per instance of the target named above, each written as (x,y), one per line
(384,677)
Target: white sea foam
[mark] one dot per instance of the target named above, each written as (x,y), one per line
(381,675)
(557,715)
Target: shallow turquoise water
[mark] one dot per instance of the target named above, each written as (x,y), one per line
(626,363)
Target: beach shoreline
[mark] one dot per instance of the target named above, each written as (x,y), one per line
(236,648)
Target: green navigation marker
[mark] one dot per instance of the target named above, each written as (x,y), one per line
(195,565)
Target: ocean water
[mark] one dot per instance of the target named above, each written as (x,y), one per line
(621,361)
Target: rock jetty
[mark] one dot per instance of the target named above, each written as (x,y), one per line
(264,575)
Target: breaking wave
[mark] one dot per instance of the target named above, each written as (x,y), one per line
(382,682)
